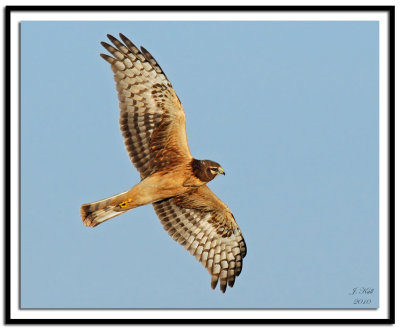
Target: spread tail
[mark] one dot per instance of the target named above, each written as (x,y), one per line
(98,212)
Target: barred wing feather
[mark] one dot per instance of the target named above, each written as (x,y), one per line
(204,225)
(152,118)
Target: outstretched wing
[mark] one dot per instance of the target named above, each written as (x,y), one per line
(205,226)
(152,118)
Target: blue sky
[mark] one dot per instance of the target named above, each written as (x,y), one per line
(290,111)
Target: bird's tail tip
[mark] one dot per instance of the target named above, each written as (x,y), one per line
(89,215)
(95,213)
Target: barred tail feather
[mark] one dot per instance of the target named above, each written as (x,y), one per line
(98,212)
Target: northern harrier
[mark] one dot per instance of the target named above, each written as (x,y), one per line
(152,121)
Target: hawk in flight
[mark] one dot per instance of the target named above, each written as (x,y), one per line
(152,121)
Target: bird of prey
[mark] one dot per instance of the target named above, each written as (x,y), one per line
(152,121)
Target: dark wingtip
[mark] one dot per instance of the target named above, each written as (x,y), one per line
(147,54)
(105,44)
(214,281)
(124,38)
(231,282)
(111,38)
(109,59)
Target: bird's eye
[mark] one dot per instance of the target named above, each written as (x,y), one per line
(214,169)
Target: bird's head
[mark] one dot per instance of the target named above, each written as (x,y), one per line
(206,170)
(213,168)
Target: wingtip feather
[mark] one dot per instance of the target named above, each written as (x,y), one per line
(214,281)
(108,58)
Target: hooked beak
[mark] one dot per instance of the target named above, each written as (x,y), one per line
(221,171)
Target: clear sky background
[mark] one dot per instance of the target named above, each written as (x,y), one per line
(290,111)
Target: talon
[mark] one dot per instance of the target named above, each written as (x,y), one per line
(125,203)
